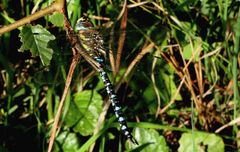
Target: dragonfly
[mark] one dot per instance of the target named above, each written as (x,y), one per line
(93,43)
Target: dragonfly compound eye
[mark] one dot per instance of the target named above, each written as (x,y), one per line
(83,24)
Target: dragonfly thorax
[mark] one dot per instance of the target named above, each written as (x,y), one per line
(91,39)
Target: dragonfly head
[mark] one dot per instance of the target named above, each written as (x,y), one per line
(83,24)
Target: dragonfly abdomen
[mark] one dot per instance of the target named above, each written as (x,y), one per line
(115,103)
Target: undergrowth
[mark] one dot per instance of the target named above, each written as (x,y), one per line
(175,67)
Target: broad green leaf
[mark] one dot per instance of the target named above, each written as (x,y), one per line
(84,112)
(201,142)
(149,94)
(68,141)
(71,7)
(36,39)
(57,19)
(149,140)
(193,49)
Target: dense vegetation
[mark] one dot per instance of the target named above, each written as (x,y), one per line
(175,65)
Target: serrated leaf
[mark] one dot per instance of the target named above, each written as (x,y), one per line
(84,112)
(57,19)
(149,140)
(36,39)
(202,142)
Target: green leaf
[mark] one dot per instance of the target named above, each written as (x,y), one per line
(68,141)
(84,112)
(193,49)
(36,39)
(237,27)
(166,86)
(202,142)
(149,140)
(57,19)
(149,94)
(171,86)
